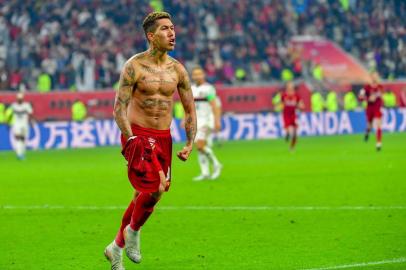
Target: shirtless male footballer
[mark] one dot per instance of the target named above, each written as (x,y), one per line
(143,112)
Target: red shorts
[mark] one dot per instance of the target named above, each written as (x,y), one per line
(141,170)
(289,120)
(372,113)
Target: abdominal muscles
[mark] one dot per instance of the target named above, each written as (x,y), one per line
(151,111)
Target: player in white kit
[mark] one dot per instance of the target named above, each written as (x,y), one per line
(22,112)
(208,121)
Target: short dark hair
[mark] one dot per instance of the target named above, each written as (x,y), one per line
(149,24)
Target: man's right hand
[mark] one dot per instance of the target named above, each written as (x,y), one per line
(125,152)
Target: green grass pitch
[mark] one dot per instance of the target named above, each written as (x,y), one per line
(255,217)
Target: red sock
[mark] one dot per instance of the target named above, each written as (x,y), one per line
(144,206)
(125,221)
(379,135)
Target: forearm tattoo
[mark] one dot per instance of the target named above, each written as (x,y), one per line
(190,127)
(123,97)
(186,96)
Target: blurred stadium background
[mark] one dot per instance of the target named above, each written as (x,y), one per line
(333,203)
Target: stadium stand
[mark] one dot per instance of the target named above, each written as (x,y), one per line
(83,44)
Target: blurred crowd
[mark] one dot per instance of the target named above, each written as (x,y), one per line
(82,44)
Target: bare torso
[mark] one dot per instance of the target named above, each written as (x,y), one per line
(152,96)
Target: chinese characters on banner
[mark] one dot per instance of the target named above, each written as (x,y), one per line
(92,133)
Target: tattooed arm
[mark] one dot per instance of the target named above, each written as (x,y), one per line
(186,97)
(123,97)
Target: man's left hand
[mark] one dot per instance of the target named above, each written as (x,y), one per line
(185,152)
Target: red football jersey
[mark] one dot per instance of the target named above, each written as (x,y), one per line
(374,91)
(290,103)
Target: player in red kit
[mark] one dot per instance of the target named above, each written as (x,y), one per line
(143,112)
(372,94)
(291,101)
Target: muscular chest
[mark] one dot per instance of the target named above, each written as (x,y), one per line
(154,81)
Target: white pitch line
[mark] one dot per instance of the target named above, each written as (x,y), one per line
(283,208)
(211,208)
(362,264)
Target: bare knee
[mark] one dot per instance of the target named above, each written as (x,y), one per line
(156,195)
(200,144)
(378,123)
